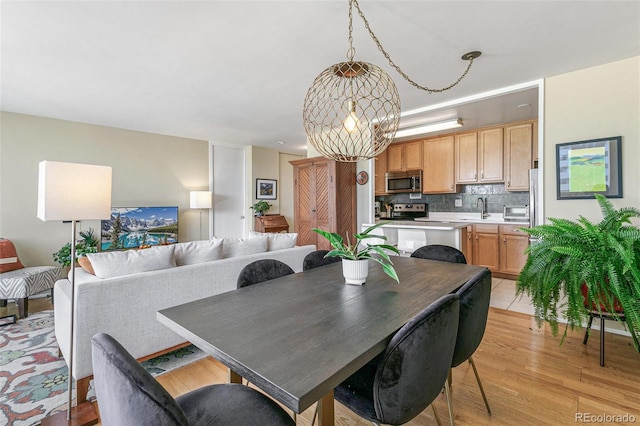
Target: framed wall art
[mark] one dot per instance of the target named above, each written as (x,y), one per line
(585,168)
(266,189)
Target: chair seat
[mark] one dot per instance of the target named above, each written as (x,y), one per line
(231,404)
(356,392)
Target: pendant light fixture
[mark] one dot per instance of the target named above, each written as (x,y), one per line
(352,109)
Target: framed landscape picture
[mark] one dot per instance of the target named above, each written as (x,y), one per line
(589,167)
(266,189)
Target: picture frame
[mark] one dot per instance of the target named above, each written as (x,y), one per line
(266,189)
(589,167)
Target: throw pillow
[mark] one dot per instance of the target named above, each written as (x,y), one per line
(85,264)
(277,241)
(232,247)
(198,251)
(9,257)
(118,263)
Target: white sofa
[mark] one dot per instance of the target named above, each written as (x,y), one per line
(125,306)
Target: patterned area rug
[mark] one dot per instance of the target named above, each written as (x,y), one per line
(33,380)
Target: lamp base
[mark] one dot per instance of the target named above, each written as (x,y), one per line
(83,415)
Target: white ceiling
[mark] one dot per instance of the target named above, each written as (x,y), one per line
(236,72)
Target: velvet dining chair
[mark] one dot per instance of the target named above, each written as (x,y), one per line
(262,270)
(317,258)
(129,396)
(409,375)
(440,252)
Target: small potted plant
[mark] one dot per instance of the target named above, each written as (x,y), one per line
(88,243)
(600,259)
(356,254)
(261,207)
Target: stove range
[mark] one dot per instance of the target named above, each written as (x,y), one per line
(409,211)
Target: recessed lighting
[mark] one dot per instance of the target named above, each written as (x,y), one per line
(523,105)
(430,127)
(281,142)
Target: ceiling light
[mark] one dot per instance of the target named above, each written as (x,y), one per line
(352,109)
(429,127)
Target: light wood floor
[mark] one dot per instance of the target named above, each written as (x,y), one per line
(529,378)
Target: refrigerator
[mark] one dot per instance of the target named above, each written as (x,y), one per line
(535,205)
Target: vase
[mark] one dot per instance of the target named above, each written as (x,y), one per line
(355,271)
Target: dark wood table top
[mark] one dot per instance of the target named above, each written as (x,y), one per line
(299,336)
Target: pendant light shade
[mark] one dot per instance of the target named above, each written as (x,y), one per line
(351,111)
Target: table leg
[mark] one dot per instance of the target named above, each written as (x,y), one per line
(234,377)
(325,410)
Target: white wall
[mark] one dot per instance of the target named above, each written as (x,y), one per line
(148,170)
(593,103)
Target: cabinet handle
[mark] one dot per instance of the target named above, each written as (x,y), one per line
(476,237)
(482,175)
(475,176)
(504,240)
(508,184)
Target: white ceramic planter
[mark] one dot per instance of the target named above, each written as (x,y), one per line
(355,271)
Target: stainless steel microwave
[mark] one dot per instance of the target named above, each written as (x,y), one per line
(408,181)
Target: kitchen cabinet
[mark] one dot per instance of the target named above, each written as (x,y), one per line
(501,248)
(403,156)
(380,171)
(324,196)
(438,163)
(518,146)
(479,156)
(514,242)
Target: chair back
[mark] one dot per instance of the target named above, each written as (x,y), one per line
(127,394)
(416,363)
(262,270)
(317,258)
(440,252)
(474,308)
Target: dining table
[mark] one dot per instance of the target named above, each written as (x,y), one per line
(297,337)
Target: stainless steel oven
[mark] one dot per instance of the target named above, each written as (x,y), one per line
(408,181)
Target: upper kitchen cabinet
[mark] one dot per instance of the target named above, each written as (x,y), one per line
(479,156)
(380,171)
(404,156)
(518,148)
(438,162)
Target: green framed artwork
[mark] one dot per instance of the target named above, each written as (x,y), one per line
(589,167)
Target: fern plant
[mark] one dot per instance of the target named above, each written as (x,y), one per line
(603,256)
(357,250)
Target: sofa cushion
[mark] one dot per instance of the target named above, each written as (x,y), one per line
(232,247)
(198,251)
(277,241)
(118,263)
(8,256)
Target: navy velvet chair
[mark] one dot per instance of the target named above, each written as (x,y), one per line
(440,252)
(262,270)
(317,258)
(474,298)
(400,383)
(129,396)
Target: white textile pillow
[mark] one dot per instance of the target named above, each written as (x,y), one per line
(118,263)
(278,241)
(198,251)
(232,247)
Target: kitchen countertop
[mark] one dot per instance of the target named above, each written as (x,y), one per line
(453,220)
(430,225)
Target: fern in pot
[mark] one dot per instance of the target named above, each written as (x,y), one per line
(602,259)
(356,253)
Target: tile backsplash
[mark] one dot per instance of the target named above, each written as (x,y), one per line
(494,195)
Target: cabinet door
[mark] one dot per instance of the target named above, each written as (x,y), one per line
(380,170)
(323,204)
(466,151)
(412,155)
(304,201)
(486,247)
(490,155)
(466,236)
(438,163)
(518,141)
(514,242)
(394,158)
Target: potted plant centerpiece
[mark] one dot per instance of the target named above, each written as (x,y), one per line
(602,259)
(356,253)
(261,207)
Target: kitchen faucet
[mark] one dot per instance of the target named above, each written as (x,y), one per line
(483,213)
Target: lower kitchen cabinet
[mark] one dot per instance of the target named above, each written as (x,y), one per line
(501,248)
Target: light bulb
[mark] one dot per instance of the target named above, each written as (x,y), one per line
(352,121)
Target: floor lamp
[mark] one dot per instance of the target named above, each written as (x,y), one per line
(72,192)
(200,200)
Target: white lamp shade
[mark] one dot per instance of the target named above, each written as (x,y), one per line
(200,199)
(70,191)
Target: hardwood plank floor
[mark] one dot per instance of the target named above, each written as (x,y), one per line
(529,378)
